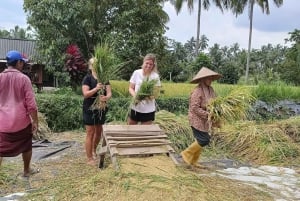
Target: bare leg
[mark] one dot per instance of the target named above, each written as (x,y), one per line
(97,138)
(146,123)
(26,159)
(131,122)
(89,143)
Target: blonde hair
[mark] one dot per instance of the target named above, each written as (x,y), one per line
(91,63)
(151,57)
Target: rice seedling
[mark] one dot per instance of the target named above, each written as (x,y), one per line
(232,107)
(146,92)
(107,67)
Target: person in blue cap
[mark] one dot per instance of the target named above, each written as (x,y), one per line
(18,111)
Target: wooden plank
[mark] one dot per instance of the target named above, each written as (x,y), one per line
(103,150)
(172,156)
(153,127)
(137,145)
(136,137)
(142,150)
(129,133)
(137,141)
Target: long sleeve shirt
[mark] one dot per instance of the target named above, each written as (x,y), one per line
(198,115)
(17,101)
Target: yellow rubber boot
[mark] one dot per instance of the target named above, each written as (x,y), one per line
(191,154)
(196,156)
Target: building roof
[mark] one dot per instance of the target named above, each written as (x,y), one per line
(26,47)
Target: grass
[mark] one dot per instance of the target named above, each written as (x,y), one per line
(264,92)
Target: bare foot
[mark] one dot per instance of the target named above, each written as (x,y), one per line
(94,155)
(91,162)
(30,172)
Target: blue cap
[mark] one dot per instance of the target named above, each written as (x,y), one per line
(14,55)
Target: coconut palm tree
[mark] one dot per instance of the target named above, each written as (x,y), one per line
(201,3)
(238,6)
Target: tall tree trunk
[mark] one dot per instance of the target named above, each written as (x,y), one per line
(198,28)
(250,37)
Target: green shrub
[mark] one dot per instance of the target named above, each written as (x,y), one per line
(63,112)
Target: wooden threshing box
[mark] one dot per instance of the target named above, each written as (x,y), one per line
(127,140)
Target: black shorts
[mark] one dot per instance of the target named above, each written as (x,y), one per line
(142,117)
(94,117)
(203,138)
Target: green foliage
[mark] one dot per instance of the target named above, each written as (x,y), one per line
(63,112)
(87,22)
(229,73)
(177,105)
(290,71)
(118,109)
(202,60)
(17,33)
(63,108)
(276,92)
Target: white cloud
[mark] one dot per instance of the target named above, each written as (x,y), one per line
(226,29)
(12,14)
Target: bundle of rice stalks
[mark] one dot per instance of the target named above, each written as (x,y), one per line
(259,143)
(232,107)
(107,67)
(43,129)
(176,127)
(147,91)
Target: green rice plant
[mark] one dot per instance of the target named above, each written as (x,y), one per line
(120,88)
(107,67)
(146,92)
(276,92)
(232,107)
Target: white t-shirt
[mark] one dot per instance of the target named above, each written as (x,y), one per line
(137,77)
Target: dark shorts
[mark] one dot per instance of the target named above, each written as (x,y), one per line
(203,138)
(94,117)
(13,144)
(142,117)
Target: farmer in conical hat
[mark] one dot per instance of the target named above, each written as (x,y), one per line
(198,115)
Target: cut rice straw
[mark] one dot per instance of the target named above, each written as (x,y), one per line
(232,107)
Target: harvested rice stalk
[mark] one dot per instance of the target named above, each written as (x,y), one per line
(146,92)
(176,127)
(232,107)
(107,67)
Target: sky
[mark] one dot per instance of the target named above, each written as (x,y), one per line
(222,28)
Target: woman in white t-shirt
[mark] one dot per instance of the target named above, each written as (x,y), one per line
(144,111)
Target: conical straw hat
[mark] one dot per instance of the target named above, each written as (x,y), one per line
(205,72)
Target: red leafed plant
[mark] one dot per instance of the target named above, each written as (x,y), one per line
(75,64)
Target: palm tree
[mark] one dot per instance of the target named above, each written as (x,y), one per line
(238,6)
(190,3)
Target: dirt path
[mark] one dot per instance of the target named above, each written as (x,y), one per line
(65,175)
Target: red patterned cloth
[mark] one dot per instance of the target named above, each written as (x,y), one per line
(13,144)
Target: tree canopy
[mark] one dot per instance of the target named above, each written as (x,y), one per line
(133,27)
